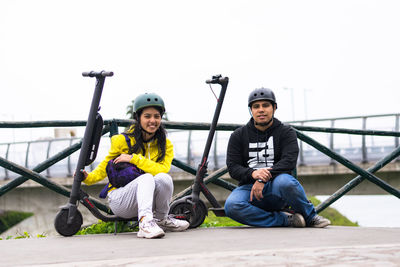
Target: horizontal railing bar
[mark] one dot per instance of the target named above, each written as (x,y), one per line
(346,131)
(42,141)
(346,118)
(120,122)
(40,124)
(194,126)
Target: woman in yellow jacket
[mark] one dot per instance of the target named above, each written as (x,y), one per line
(147,196)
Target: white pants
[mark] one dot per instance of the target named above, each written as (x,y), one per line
(144,196)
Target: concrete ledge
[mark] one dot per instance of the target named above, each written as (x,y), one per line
(337,168)
(231,246)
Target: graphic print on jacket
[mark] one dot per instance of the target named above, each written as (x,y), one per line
(261,154)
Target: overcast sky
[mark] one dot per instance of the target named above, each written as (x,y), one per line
(335,58)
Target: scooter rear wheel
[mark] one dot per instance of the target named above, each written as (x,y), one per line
(65,229)
(194,217)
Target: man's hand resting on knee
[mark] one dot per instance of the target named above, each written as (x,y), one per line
(261,176)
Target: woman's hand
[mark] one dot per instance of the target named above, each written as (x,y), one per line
(85,174)
(123,158)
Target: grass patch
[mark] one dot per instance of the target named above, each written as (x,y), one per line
(214,221)
(10,218)
(21,236)
(107,228)
(333,215)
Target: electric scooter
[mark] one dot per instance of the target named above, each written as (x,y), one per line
(191,207)
(69,220)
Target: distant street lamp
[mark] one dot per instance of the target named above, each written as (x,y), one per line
(305,103)
(292,100)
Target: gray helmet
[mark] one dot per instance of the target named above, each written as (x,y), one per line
(262,94)
(148,100)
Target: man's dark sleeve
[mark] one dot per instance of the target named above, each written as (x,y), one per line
(289,153)
(235,162)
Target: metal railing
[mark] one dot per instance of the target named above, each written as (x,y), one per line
(359,153)
(362,121)
(112,127)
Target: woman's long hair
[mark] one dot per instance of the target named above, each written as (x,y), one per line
(136,133)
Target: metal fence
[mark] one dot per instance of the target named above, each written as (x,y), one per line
(111,126)
(188,146)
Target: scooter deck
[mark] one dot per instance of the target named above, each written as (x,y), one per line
(219,212)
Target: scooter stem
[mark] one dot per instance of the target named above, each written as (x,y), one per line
(202,169)
(78,178)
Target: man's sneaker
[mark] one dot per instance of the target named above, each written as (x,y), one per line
(319,222)
(295,220)
(149,229)
(169,223)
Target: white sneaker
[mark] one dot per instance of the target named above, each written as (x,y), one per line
(149,229)
(169,223)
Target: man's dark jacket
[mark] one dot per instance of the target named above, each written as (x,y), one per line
(285,150)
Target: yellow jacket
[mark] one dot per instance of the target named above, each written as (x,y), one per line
(147,163)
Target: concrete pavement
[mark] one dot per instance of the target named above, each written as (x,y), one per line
(230,246)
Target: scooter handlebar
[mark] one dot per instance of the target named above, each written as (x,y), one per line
(98,74)
(217,79)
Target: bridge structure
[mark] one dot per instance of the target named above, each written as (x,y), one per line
(334,160)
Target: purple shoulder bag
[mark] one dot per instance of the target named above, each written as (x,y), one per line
(122,173)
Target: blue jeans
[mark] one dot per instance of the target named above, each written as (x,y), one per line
(283,191)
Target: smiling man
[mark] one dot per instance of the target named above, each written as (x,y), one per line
(261,156)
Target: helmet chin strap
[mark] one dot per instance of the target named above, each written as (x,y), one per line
(264,123)
(147,140)
(143,130)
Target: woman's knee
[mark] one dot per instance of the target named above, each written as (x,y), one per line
(145,179)
(164,180)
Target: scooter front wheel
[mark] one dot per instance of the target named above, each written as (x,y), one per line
(195,216)
(65,229)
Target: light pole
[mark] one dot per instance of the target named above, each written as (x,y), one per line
(291,99)
(305,103)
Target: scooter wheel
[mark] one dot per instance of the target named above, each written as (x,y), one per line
(65,229)
(185,209)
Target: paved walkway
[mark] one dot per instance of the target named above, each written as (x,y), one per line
(233,246)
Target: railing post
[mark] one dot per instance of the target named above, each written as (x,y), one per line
(69,160)
(397,129)
(364,145)
(331,142)
(47,156)
(27,153)
(189,149)
(7,152)
(301,152)
(215,152)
